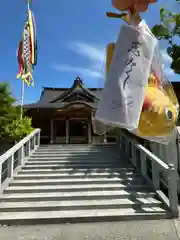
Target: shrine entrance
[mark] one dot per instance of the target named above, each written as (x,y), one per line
(78,131)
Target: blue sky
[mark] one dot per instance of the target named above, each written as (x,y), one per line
(72,40)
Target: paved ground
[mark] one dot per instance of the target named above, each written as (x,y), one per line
(135,230)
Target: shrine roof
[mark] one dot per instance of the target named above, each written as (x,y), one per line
(59,105)
(57,97)
(57,94)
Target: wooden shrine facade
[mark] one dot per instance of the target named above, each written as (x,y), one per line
(64,114)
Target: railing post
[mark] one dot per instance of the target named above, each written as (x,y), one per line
(172,190)
(38,139)
(126,147)
(52,131)
(10,166)
(155,175)
(29,147)
(120,144)
(21,159)
(1,174)
(143,163)
(34,142)
(133,150)
(120,141)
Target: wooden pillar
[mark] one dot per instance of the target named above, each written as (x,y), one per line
(67,131)
(52,131)
(89,132)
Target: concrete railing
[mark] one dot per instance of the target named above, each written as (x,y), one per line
(168,153)
(17,155)
(150,167)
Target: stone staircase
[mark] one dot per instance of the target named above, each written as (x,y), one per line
(71,183)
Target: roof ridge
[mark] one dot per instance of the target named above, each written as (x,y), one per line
(65,88)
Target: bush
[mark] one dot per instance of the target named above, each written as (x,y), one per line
(17,129)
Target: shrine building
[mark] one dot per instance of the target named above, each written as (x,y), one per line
(64,114)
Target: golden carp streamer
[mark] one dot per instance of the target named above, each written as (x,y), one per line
(27,50)
(160,108)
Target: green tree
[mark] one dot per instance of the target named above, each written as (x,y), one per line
(8,112)
(169,29)
(12,129)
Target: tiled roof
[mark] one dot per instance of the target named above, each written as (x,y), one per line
(56,97)
(51,94)
(58,105)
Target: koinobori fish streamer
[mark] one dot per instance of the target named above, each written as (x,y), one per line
(137,95)
(27,50)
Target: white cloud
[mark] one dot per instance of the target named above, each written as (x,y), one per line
(166,63)
(80,71)
(91,52)
(95,56)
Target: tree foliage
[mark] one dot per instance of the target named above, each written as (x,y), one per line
(11,127)
(8,112)
(17,129)
(169,30)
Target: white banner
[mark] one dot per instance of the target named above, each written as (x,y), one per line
(123,95)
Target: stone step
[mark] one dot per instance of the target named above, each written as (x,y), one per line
(78,146)
(83,171)
(96,161)
(83,195)
(43,182)
(85,168)
(87,215)
(102,150)
(71,174)
(95,150)
(74,188)
(78,153)
(71,183)
(74,158)
(78,204)
(77,150)
(71,165)
(74,161)
(78,160)
(74,155)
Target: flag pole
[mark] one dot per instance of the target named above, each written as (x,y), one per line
(22,98)
(28,3)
